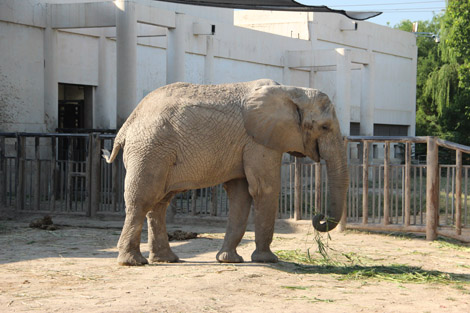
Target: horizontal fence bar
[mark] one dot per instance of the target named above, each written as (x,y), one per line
(383,139)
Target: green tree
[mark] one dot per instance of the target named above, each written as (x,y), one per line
(427,122)
(452,92)
(443,74)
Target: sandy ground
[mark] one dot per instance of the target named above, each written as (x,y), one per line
(74,269)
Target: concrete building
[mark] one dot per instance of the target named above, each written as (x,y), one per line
(86,64)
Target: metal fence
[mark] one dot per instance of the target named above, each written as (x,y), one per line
(65,173)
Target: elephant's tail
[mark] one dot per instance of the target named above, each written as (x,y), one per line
(109,157)
(119,141)
(118,144)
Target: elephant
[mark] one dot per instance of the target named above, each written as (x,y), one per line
(185,136)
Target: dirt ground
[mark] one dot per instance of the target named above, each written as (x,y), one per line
(74,269)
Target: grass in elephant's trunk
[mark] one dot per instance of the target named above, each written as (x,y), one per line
(351,266)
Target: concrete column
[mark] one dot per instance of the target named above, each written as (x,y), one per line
(51,84)
(175,52)
(286,71)
(126,60)
(368,98)
(343,89)
(100,118)
(414,67)
(311,78)
(313,37)
(209,61)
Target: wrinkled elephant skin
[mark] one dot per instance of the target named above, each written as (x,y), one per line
(184,136)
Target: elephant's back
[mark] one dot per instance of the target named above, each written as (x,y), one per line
(199,129)
(187,94)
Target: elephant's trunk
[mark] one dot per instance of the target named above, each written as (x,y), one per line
(338,180)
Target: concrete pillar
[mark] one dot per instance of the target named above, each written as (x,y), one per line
(209,61)
(343,89)
(313,37)
(311,78)
(286,71)
(414,67)
(175,52)
(100,116)
(368,98)
(51,84)
(126,60)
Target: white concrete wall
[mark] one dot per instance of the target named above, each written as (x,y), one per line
(77,59)
(150,72)
(87,56)
(394,52)
(228,70)
(21,78)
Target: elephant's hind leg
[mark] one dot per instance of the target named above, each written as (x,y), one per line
(129,242)
(159,247)
(240,204)
(141,193)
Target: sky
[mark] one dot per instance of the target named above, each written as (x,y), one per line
(394,11)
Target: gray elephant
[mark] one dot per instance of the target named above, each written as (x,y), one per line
(184,136)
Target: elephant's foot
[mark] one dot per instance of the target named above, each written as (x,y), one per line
(264,257)
(163,257)
(229,257)
(131,259)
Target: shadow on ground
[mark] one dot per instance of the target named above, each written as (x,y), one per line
(73,239)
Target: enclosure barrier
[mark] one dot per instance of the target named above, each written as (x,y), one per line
(389,189)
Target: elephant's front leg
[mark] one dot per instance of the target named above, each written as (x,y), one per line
(263,174)
(240,204)
(266,207)
(159,247)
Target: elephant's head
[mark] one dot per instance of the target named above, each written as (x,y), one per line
(302,121)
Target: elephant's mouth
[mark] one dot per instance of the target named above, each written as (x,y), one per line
(297,154)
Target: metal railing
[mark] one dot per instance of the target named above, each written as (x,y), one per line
(65,174)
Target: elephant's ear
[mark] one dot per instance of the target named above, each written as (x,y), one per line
(273,119)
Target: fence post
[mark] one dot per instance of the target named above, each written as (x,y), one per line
(37,184)
(365,183)
(95,174)
(432,188)
(20,156)
(68,178)
(298,189)
(53,174)
(89,157)
(386,220)
(407,183)
(3,174)
(458,193)
(344,216)
(193,201)
(214,201)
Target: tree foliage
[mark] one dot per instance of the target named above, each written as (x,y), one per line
(443,74)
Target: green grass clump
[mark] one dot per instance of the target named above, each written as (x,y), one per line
(305,264)
(351,266)
(453,244)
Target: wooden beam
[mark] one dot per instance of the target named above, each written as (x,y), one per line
(432,189)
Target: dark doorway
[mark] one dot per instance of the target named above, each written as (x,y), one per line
(75,107)
(71,115)
(75,116)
